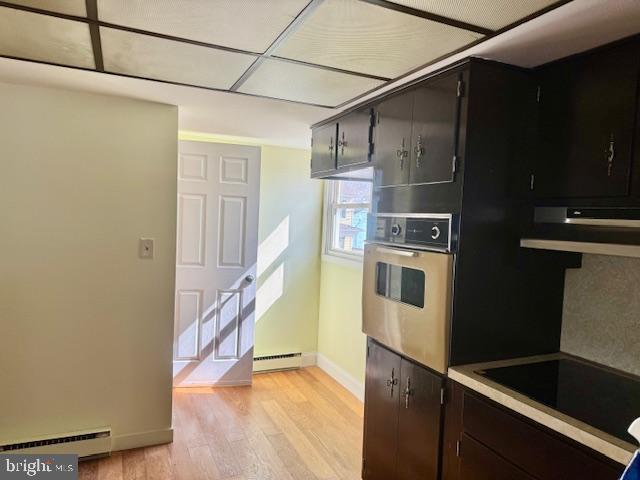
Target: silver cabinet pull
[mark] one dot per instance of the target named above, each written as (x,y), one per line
(402,153)
(393,381)
(342,143)
(610,155)
(419,150)
(331,145)
(407,393)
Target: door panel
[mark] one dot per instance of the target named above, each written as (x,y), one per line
(587,111)
(323,149)
(434,131)
(480,463)
(382,389)
(354,137)
(392,140)
(419,423)
(218,190)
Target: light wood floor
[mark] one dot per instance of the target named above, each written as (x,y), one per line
(288,426)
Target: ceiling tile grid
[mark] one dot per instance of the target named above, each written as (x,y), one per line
(161,59)
(360,37)
(319,52)
(45,38)
(250,25)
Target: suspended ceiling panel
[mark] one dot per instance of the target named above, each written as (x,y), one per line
(68,7)
(492,14)
(160,59)
(365,38)
(45,38)
(301,83)
(250,25)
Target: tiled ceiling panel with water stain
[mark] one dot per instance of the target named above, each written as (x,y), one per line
(319,52)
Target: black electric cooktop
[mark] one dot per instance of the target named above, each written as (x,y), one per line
(604,399)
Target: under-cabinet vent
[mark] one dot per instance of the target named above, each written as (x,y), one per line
(283,361)
(83,444)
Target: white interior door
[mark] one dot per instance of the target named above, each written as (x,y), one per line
(218,190)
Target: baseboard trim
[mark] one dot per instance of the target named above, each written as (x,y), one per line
(309,359)
(341,376)
(144,439)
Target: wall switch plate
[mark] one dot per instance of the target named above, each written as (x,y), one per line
(145,248)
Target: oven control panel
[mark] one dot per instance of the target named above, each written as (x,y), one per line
(418,230)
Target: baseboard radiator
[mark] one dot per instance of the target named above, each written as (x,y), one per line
(270,363)
(89,443)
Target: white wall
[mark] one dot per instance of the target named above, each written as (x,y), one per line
(86,326)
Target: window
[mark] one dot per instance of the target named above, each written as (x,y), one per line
(347,204)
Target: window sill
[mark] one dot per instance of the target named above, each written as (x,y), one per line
(351,261)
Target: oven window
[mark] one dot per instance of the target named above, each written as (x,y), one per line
(401,284)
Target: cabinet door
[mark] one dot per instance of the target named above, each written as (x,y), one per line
(323,148)
(419,421)
(480,463)
(382,391)
(354,138)
(392,140)
(434,131)
(587,112)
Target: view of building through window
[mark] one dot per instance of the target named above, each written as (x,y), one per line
(350,203)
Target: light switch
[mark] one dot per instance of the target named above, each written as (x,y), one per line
(146,248)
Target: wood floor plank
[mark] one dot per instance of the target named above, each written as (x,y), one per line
(295,425)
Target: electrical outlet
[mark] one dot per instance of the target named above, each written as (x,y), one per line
(146,248)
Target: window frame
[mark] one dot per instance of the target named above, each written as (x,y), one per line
(331,206)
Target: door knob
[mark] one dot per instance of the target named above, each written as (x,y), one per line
(249,279)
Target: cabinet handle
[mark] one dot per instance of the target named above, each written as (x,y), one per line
(419,150)
(393,381)
(402,153)
(407,393)
(610,155)
(342,143)
(331,145)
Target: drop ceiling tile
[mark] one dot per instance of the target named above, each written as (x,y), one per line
(45,38)
(302,83)
(68,7)
(160,59)
(492,14)
(365,38)
(250,25)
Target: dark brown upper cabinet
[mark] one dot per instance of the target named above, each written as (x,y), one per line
(323,149)
(434,131)
(402,418)
(586,124)
(354,138)
(392,140)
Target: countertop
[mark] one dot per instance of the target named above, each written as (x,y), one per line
(608,445)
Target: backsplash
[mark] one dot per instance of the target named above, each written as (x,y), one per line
(601,317)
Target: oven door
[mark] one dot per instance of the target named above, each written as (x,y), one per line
(406,302)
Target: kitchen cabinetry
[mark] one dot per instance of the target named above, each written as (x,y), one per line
(586,125)
(354,138)
(402,418)
(323,149)
(486,441)
(415,135)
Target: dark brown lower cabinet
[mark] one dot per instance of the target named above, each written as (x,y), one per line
(402,421)
(485,441)
(481,463)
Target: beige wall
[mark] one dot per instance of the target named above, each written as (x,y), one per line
(86,325)
(288,253)
(340,338)
(601,311)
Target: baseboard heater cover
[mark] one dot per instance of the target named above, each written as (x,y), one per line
(284,361)
(86,443)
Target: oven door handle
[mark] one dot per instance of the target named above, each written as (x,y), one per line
(393,251)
